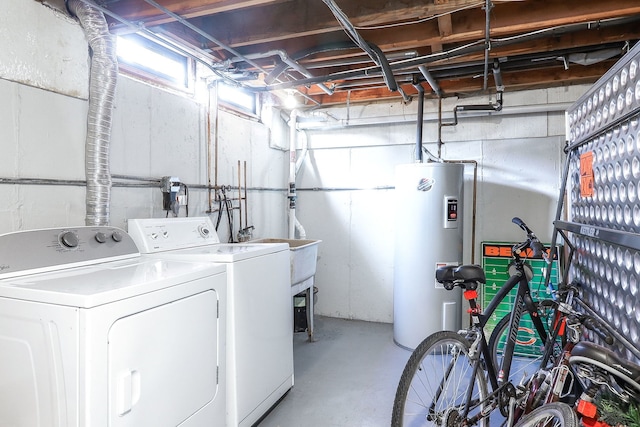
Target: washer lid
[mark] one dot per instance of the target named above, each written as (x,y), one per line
(226,252)
(94,285)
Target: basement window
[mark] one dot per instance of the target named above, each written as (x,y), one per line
(238,98)
(152,61)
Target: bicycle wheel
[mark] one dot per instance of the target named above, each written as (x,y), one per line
(433,387)
(555,414)
(527,353)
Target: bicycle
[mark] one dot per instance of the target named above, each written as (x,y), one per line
(445,380)
(601,374)
(567,327)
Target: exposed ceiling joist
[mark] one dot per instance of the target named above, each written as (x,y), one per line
(448,34)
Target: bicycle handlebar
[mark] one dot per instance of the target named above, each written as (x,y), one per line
(520,223)
(532,241)
(589,323)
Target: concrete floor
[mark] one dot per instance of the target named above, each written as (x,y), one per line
(347,377)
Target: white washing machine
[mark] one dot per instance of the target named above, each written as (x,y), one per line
(93,334)
(259,325)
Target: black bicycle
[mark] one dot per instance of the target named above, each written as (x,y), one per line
(460,378)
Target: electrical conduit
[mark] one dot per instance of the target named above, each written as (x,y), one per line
(102,84)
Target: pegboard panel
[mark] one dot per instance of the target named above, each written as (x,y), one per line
(603,199)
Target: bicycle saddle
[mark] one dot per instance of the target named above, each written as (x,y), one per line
(585,351)
(466,276)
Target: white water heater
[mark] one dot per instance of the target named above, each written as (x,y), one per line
(428,235)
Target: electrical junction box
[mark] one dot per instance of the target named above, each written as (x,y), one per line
(170,184)
(170,188)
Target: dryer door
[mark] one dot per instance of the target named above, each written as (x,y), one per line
(163,362)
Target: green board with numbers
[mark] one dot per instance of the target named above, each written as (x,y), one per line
(496,257)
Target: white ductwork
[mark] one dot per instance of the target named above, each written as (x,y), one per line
(102,84)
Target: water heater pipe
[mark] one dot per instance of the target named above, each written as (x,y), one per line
(432,82)
(473,204)
(419,124)
(102,85)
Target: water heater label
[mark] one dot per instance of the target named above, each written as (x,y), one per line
(450,212)
(426,184)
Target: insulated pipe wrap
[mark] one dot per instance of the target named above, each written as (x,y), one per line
(102,85)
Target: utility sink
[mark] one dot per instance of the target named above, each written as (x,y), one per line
(304,254)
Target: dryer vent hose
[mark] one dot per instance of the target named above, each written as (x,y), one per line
(102,85)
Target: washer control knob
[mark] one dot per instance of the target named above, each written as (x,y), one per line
(153,236)
(69,239)
(204,231)
(116,236)
(101,237)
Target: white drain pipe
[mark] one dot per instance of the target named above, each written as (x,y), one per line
(294,166)
(293,138)
(102,84)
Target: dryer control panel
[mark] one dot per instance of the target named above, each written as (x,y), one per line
(33,251)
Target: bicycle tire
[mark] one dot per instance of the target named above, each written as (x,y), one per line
(524,343)
(556,414)
(425,373)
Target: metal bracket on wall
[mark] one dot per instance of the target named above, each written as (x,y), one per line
(617,237)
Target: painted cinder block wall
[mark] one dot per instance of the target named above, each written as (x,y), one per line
(519,157)
(345,195)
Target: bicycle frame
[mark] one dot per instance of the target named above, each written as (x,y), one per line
(523,304)
(502,394)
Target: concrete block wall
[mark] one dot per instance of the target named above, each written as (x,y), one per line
(345,195)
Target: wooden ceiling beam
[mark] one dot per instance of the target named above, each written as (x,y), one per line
(521,80)
(533,47)
(301,18)
(315,17)
(414,36)
(142,12)
(577,40)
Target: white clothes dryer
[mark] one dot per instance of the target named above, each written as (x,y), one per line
(260,321)
(93,334)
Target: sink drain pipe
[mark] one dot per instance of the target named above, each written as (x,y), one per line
(293,138)
(294,165)
(102,84)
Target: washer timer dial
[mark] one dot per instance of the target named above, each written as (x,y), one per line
(68,239)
